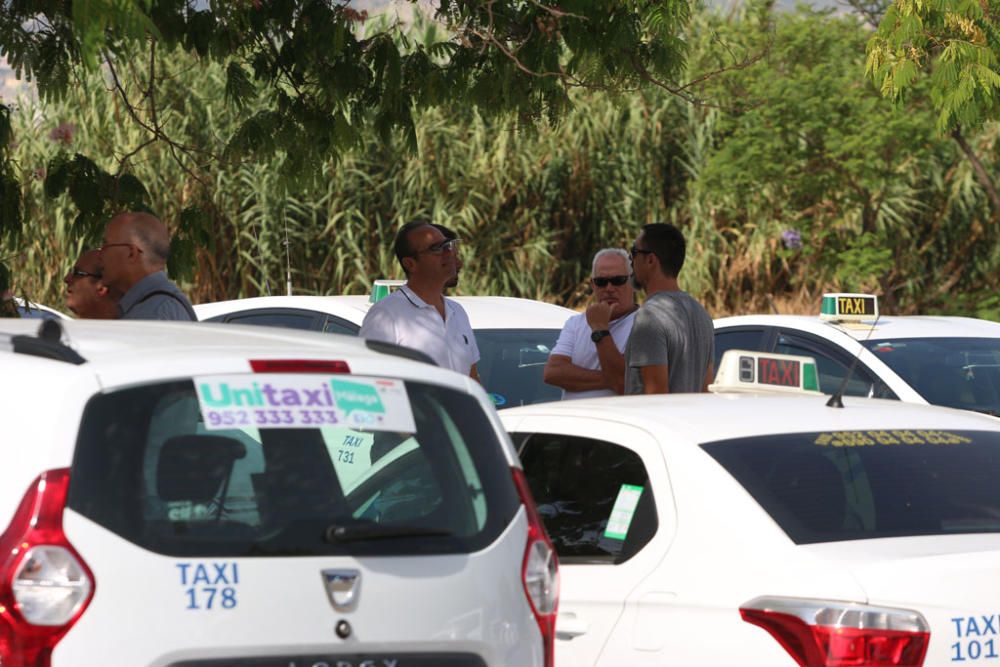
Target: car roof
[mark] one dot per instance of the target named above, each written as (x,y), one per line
(485,312)
(887,327)
(709,417)
(142,349)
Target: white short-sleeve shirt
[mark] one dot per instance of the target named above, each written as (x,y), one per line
(405,319)
(574,342)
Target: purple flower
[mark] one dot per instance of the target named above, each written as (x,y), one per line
(792,239)
(63,133)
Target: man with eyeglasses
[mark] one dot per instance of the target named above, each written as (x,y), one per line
(417,315)
(86,294)
(134,257)
(587,359)
(671,346)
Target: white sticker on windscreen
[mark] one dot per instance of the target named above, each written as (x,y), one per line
(303,401)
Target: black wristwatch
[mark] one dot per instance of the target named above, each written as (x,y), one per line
(596,336)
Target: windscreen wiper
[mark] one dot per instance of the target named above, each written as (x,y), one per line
(357,532)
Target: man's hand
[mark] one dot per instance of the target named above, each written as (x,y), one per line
(599,316)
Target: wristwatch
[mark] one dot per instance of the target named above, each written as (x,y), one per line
(596,336)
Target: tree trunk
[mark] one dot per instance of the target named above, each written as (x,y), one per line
(977,166)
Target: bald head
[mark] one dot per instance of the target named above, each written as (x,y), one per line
(147,232)
(135,245)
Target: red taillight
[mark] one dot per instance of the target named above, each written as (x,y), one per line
(539,570)
(820,633)
(298,366)
(44,584)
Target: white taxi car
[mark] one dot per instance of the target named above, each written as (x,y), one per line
(764,530)
(178,495)
(950,361)
(514,335)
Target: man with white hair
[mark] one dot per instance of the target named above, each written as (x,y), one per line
(587,360)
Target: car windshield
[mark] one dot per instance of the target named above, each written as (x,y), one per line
(849,485)
(955,372)
(166,468)
(511,365)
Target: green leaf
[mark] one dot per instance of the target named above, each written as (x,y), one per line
(239,88)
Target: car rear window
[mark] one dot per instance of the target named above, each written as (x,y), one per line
(158,469)
(956,372)
(848,485)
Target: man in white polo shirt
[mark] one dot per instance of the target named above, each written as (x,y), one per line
(587,359)
(418,315)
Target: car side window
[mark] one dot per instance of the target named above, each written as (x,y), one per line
(737,339)
(340,326)
(594,496)
(288,319)
(833,368)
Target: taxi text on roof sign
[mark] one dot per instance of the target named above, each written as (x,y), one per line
(839,307)
(747,371)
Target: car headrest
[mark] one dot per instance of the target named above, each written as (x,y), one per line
(193,467)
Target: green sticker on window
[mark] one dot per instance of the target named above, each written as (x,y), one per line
(623,512)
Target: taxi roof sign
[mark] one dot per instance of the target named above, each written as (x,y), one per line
(844,307)
(748,371)
(382,289)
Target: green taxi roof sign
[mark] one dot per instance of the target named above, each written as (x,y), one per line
(748,371)
(843,307)
(382,289)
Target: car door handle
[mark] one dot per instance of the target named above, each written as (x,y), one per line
(569,625)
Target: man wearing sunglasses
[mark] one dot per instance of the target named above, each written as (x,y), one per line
(134,256)
(671,346)
(587,359)
(418,315)
(86,295)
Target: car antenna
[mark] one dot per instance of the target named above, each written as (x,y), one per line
(288,260)
(836,401)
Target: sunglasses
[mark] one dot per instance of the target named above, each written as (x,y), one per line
(451,245)
(617,281)
(119,245)
(639,251)
(80,273)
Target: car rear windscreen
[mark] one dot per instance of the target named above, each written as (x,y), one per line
(849,485)
(164,467)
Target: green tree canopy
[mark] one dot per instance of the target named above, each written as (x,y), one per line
(952,43)
(312,78)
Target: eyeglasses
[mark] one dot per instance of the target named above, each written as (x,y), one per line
(450,245)
(639,251)
(617,281)
(113,245)
(80,273)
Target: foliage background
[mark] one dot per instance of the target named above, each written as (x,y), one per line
(804,180)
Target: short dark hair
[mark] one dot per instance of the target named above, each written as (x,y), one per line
(448,234)
(667,243)
(401,245)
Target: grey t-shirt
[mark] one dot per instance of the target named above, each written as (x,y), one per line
(671,329)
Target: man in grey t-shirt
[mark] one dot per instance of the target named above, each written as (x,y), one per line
(671,347)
